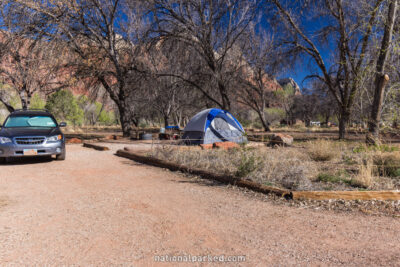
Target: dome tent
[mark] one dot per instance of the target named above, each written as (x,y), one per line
(213,125)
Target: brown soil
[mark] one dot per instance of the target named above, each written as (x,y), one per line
(98,209)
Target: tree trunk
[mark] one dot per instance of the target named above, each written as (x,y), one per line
(126,121)
(226,103)
(28,100)
(166,119)
(327,117)
(372,137)
(264,122)
(135,122)
(381,79)
(266,126)
(343,120)
(23,98)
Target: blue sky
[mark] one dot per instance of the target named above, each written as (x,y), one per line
(305,65)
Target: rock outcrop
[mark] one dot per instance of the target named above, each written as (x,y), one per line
(289,81)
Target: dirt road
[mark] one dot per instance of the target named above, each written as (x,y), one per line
(99,209)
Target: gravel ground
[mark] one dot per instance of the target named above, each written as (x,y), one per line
(99,209)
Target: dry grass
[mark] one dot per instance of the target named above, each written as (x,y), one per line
(319,165)
(285,167)
(301,128)
(387,164)
(364,178)
(323,150)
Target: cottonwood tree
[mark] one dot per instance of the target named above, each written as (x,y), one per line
(4,95)
(365,96)
(351,28)
(256,87)
(170,96)
(211,30)
(391,109)
(172,99)
(30,66)
(30,62)
(381,79)
(105,40)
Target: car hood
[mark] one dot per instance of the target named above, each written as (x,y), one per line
(31,131)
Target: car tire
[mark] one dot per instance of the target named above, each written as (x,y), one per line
(61,156)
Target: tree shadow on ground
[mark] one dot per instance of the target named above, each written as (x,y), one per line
(133,163)
(199,181)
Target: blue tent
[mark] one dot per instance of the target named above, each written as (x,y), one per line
(213,125)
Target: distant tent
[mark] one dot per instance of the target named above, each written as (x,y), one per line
(213,125)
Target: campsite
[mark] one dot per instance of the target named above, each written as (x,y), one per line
(180,133)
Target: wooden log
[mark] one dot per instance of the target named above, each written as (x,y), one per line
(205,174)
(97,147)
(347,195)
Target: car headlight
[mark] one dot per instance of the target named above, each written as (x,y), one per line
(54,138)
(5,140)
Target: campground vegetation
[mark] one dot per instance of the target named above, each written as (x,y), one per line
(163,61)
(312,165)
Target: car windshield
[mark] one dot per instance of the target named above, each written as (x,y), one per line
(30,121)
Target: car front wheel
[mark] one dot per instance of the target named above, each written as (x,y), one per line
(61,156)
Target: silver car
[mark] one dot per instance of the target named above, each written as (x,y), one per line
(27,133)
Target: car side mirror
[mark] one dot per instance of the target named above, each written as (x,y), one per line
(63,124)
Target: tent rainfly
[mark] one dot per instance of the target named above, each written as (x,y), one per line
(213,125)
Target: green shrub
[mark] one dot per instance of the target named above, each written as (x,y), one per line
(105,117)
(329,178)
(95,112)
(387,164)
(340,177)
(380,148)
(274,114)
(387,148)
(37,102)
(360,149)
(64,106)
(248,164)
